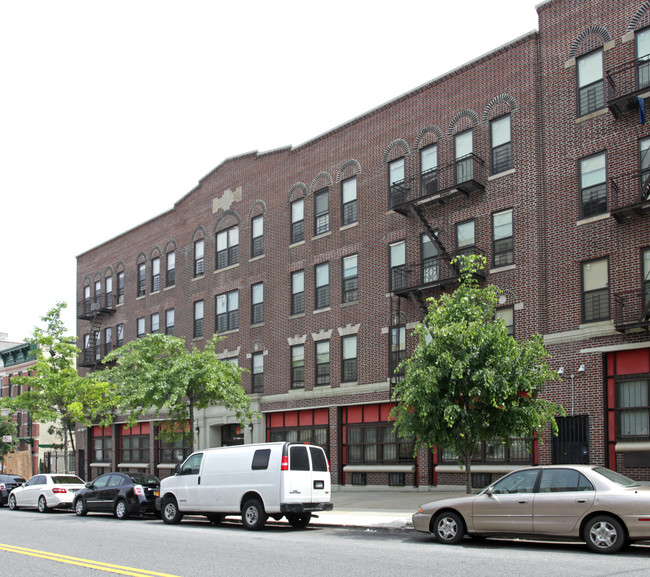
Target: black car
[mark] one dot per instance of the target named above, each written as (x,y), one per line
(7,484)
(122,494)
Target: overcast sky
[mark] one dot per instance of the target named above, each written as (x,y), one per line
(110,112)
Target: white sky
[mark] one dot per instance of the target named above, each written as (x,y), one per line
(112,111)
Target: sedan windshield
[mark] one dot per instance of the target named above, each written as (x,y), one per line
(616,477)
(67,479)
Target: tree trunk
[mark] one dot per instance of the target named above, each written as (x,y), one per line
(192,427)
(468,473)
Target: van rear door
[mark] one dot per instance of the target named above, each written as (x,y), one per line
(308,479)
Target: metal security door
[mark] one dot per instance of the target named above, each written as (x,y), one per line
(571,445)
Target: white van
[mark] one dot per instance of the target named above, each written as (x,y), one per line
(257,481)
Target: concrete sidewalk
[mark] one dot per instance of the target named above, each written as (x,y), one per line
(378,509)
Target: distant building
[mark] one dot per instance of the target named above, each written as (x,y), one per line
(316,261)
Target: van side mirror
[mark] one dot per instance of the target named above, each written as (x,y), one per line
(177,469)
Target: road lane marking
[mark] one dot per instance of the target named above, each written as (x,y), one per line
(100,566)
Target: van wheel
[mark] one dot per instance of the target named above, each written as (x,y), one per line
(299,520)
(170,513)
(253,515)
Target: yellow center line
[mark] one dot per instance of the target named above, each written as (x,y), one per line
(121,569)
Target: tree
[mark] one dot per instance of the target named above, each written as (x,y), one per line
(468,381)
(7,429)
(158,373)
(55,392)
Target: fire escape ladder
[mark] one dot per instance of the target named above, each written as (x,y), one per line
(416,211)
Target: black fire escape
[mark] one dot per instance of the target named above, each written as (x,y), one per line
(95,309)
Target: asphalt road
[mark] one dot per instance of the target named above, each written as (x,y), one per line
(60,544)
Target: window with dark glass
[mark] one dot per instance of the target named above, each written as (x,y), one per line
(377,443)
(646,284)
(349,358)
(258,372)
(591,85)
(322,362)
(170,279)
(595,290)
(502,244)
(321,211)
(642,40)
(350,279)
(593,185)
(228,247)
(199,257)
(297,220)
(297,367)
(108,285)
(108,340)
(465,237)
(120,287)
(155,274)
(464,156)
(257,303)
(169,322)
(396,182)
(501,144)
(257,236)
(644,168)
(142,279)
(349,200)
(507,315)
(322,285)
(140,324)
(430,261)
(633,409)
(311,435)
(198,319)
(228,311)
(298,292)
(429,170)
(155,323)
(397,349)
(398,265)
(135,448)
(120,335)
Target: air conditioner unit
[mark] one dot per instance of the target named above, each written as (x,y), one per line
(94,307)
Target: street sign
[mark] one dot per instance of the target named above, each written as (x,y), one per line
(7,438)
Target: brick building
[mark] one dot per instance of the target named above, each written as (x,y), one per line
(314,261)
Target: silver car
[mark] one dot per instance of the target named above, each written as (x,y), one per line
(583,502)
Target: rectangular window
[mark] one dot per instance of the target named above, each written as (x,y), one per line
(349,199)
(349,357)
(646,284)
(430,261)
(591,87)
(141,329)
(298,292)
(507,315)
(170,279)
(593,185)
(258,372)
(198,320)
(155,274)
(228,311)
(120,335)
(321,212)
(398,265)
(429,170)
(322,362)
(465,237)
(350,279)
(108,340)
(199,257)
(108,284)
(120,287)
(502,244)
(257,236)
(396,182)
(169,322)
(257,306)
(135,449)
(155,323)
(228,247)
(322,285)
(397,349)
(644,168)
(633,409)
(142,279)
(464,156)
(595,290)
(297,221)
(642,39)
(298,367)
(377,443)
(501,144)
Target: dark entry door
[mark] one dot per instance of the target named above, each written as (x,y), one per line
(571,445)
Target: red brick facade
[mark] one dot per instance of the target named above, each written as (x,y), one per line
(525,177)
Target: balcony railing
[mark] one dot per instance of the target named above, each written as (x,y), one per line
(632,310)
(93,354)
(431,273)
(465,175)
(625,84)
(88,308)
(630,195)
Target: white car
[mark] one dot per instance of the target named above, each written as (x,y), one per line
(45,492)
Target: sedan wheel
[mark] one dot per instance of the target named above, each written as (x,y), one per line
(42,505)
(12,502)
(604,534)
(449,528)
(80,507)
(121,509)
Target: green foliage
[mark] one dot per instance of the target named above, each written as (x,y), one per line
(7,428)
(468,381)
(158,373)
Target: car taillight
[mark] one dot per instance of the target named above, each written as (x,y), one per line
(58,490)
(138,490)
(285,463)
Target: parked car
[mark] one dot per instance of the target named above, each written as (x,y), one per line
(7,484)
(45,492)
(121,494)
(590,503)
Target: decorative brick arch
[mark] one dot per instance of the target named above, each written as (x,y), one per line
(257,208)
(323,176)
(588,40)
(397,144)
(257,346)
(228,215)
(498,104)
(108,272)
(170,245)
(142,257)
(156,251)
(426,131)
(458,120)
(641,18)
(199,233)
(349,168)
(299,186)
